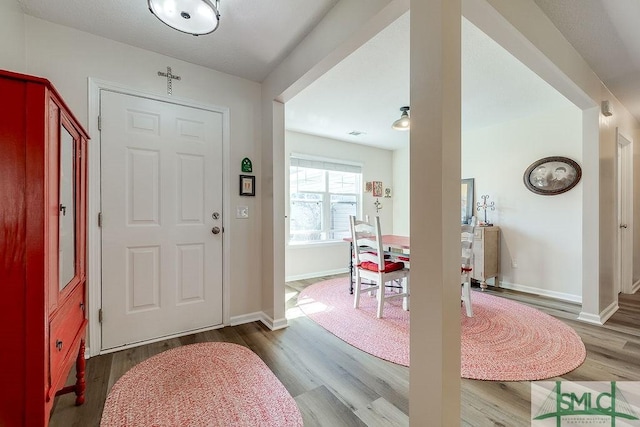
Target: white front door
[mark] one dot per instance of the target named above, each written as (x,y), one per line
(161,197)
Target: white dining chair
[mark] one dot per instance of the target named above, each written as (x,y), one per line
(466,242)
(370,263)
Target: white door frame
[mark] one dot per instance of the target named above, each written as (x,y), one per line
(624,213)
(94,247)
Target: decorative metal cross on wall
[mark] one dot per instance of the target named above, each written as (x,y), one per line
(169,77)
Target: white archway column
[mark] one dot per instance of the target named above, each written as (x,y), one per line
(435,212)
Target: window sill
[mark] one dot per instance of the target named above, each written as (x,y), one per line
(319,244)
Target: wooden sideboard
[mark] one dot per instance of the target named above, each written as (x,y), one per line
(43,185)
(486,252)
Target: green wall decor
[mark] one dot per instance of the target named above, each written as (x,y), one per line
(246,165)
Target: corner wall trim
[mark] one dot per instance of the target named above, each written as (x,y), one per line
(246,318)
(274,324)
(594,319)
(259,316)
(599,319)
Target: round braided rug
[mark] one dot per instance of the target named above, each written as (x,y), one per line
(503,341)
(508,341)
(208,384)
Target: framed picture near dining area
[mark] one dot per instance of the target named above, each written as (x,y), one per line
(552,175)
(377,189)
(466,200)
(368,187)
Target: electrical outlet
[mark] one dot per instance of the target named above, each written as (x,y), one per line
(242,212)
(514,263)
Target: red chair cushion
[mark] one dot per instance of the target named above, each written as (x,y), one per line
(388,266)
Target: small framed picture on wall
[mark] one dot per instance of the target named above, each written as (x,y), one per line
(377,189)
(368,187)
(247,185)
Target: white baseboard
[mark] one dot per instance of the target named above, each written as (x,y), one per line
(544,292)
(609,311)
(246,318)
(599,319)
(635,287)
(274,324)
(259,316)
(316,274)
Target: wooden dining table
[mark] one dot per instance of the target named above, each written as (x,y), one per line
(388,241)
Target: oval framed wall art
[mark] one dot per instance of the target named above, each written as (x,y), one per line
(552,175)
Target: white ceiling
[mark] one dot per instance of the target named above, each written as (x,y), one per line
(364,92)
(253,37)
(607,35)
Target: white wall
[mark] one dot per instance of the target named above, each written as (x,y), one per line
(542,235)
(68,57)
(304,261)
(401,190)
(12,52)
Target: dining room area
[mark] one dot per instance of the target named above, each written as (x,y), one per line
(363,313)
(529,244)
(359,345)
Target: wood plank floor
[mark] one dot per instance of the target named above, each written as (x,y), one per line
(335,384)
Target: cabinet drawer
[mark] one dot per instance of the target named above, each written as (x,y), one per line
(63,329)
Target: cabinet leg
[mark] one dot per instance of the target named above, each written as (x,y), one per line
(80,371)
(483,285)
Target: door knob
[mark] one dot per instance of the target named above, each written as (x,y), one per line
(215,230)
(623,225)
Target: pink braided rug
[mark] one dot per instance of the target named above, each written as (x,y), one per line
(208,384)
(503,341)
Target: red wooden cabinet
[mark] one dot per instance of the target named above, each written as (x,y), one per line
(43,200)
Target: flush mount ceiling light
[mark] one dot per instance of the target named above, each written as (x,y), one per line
(195,17)
(403,122)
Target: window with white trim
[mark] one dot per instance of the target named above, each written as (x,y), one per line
(322,195)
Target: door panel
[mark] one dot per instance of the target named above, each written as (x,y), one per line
(624,254)
(161,172)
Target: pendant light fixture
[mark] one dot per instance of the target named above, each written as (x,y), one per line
(195,17)
(403,122)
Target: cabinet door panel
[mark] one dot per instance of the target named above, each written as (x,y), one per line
(67,210)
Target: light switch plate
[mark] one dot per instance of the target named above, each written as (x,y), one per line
(242,212)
